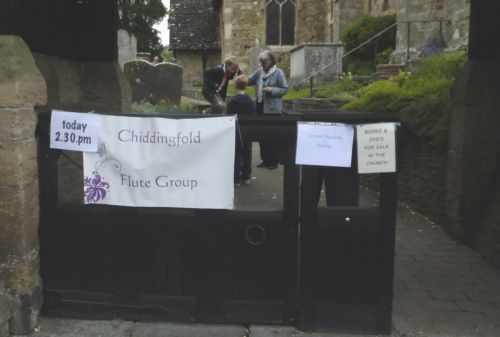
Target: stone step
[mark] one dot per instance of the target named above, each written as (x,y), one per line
(311,104)
(388,70)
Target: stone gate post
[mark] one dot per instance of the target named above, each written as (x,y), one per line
(473,176)
(22,87)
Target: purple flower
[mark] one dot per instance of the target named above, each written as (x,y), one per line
(95,188)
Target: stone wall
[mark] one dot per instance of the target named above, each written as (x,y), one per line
(127,47)
(452,34)
(22,87)
(243,28)
(457,30)
(421,178)
(84,86)
(192,65)
(81,87)
(382,7)
(312,21)
(345,13)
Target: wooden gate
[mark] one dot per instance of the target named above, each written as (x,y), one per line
(347,250)
(172,264)
(226,266)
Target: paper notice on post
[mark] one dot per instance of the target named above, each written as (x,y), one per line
(324,144)
(74,131)
(376,144)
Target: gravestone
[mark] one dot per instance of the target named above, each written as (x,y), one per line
(154,83)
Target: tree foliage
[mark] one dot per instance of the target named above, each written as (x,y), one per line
(138,18)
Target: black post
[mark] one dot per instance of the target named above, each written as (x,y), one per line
(311,84)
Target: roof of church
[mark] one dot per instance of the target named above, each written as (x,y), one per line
(194,25)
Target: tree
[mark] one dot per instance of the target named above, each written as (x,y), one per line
(168,55)
(138,17)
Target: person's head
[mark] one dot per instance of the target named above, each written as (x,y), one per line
(156,59)
(267,59)
(231,64)
(241,82)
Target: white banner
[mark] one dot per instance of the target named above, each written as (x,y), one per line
(158,162)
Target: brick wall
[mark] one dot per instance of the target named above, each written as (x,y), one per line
(423,173)
(421,179)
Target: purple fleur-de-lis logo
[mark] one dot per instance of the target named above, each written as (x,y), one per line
(95,188)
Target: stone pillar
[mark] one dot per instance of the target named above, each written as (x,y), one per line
(127,47)
(474,144)
(22,87)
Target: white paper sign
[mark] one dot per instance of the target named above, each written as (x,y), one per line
(74,131)
(376,148)
(159,162)
(324,145)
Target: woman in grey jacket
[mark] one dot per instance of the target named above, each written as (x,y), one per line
(271,86)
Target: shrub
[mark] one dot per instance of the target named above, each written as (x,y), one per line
(385,56)
(358,67)
(163,107)
(342,90)
(422,99)
(435,77)
(381,96)
(427,121)
(363,59)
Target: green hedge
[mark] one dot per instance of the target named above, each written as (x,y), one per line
(421,98)
(363,60)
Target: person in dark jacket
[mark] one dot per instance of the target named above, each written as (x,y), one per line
(215,84)
(242,105)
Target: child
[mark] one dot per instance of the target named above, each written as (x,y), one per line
(241,104)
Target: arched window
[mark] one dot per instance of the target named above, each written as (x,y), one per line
(280,22)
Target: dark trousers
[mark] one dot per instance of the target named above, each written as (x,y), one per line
(243,161)
(270,152)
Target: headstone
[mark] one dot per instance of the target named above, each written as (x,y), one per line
(154,83)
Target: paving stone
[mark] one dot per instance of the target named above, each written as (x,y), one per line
(481,296)
(275,331)
(51,327)
(185,330)
(478,306)
(449,295)
(493,317)
(442,289)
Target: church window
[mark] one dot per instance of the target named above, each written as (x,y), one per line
(280,22)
